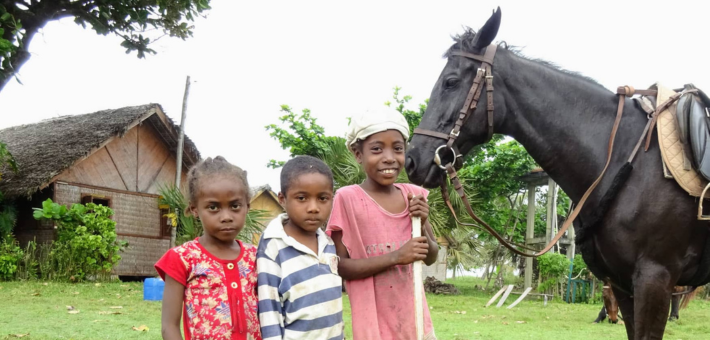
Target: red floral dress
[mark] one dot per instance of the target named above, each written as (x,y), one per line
(220,299)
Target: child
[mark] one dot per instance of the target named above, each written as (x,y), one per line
(300,292)
(372,230)
(213,276)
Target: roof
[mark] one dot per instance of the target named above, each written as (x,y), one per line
(257,191)
(46,149)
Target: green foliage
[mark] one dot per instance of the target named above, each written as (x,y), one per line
(8,213)
(413,117)
(301,136)
(8,217)
(131,20)
(463,250)
(494,170)
(189,228)
(554,268)
(86,239)
(10,255)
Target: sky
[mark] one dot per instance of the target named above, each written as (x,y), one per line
(246,59)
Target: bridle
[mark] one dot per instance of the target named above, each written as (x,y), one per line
(474,94)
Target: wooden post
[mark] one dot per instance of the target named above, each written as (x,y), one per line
(549,233)
(181,140)
(418,283)
(572,246)
(530,233)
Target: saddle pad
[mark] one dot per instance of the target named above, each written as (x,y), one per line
(672,149)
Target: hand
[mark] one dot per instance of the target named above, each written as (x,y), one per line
(418,207)
(415,249)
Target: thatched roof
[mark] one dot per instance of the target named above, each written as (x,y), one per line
(257,191)
(44,150)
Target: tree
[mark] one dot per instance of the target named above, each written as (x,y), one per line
(8,213)
(188,227)
(301,135)
(20,20)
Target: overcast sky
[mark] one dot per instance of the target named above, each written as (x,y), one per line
(248,58)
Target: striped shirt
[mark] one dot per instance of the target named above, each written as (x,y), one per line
(300,292)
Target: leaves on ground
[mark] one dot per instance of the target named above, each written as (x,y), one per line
(142,328)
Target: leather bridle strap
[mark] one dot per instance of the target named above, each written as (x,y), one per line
(484,73)
(458,187)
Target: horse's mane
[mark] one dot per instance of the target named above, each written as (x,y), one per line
(464,42)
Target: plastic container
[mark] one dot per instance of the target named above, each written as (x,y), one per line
(153,289)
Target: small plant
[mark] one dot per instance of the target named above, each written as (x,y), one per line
(10,255)
(553,269)
(86,240)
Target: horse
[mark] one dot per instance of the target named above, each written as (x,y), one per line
(638,230)
(680,300)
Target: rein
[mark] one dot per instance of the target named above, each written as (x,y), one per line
(470,105)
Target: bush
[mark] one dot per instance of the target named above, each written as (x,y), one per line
(10,255)
(554,268)
(86,242)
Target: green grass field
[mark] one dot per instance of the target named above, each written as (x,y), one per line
(40,310)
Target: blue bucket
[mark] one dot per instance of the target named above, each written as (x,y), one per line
(153,289)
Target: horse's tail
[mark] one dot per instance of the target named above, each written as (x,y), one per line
(685,300)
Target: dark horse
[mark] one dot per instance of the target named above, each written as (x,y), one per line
(680,300)
(647,241)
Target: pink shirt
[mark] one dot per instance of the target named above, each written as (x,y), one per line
(382,305)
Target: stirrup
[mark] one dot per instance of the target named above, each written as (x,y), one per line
(702,217)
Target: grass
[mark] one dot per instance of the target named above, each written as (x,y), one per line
(40,310)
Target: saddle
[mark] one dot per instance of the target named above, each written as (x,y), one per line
(693,118)
(677,135)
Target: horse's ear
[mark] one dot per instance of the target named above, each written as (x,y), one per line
(488,32)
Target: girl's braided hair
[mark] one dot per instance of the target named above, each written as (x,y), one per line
(210,168)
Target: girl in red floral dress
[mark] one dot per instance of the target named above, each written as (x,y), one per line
(211,281)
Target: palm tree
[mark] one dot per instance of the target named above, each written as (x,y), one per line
(189,228)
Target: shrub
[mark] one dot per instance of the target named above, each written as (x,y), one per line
(10,255)
(86,240)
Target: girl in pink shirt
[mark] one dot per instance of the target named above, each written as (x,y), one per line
(371,227)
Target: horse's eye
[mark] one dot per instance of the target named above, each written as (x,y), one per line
(451,82)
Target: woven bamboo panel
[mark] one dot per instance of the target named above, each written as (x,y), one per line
(140,256)
(134,214)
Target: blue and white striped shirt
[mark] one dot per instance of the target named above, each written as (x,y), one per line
(300,292)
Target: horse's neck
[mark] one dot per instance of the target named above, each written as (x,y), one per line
(564,121)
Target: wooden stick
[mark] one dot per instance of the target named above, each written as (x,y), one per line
(495,296)
(418,283)
(522,296)
(505,296)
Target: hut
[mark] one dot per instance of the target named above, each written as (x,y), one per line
(118,158)
(265,199)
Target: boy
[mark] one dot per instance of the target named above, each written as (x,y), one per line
(300,292)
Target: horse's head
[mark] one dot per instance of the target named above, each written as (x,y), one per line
(447,98)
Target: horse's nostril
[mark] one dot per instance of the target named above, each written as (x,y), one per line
(409,165)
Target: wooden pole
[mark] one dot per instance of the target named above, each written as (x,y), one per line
(181,140)
(418,283)
(530,233)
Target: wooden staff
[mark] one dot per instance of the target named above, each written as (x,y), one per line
(418,283)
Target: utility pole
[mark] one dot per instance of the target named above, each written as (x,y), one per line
(181,140)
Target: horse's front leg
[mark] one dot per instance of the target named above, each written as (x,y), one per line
(652,294)
(626,305)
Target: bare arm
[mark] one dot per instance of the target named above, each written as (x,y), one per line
(172,309)
(431,241)
(355,269)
